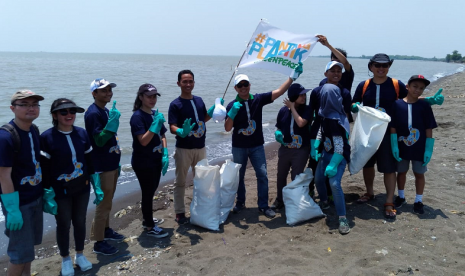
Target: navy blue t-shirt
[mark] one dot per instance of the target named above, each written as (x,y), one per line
(150,155)
(26,172)
(181,109)
(329,129)
(249,134)
(301,134)
(107,157)
(66,153)
(412,141)
(346,81)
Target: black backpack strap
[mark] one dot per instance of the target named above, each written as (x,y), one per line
(14,136)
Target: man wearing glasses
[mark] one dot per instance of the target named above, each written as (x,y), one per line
(20,178)
(101,126)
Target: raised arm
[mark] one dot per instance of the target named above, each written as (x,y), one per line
(342,59)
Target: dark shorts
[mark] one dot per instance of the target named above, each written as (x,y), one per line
(383,157)
(21,242)
(417,166)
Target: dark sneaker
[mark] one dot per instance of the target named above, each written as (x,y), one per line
(418,208)
(267,212)
(399,201)
(323,205)
(157,232)
(344,226)
(238,208)
(155,221)
(181,218)
(111,235)
(277,205)
(104,248)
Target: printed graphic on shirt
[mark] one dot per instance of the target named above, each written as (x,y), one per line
(380,109)
(249,130)
(116,148)
(412,138)
(37,177)
(200,131)
(77,165)
(327,144)
(296,142)
(158,148)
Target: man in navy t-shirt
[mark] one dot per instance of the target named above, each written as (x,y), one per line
(21,183)
(101,126)
(245,120)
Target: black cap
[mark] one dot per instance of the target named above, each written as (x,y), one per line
(68,105)
(148,90)
(419,78)
(380,58)
(295,90)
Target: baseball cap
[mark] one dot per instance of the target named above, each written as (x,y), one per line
(66,105)
(333,63)
(148,90)
(419,78)
(240,78)
(100,83)
(295,90)
(24,94)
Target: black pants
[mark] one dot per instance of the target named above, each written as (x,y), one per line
(288,159)
(148,181)
(71,209)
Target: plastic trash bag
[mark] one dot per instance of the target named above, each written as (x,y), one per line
(367,134)
(219,113)
(299,205)
(205,205)
(229,183)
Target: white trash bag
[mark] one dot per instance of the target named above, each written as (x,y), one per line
(219,113)
(205,205)
(367,134)
(229,183)
(299,205)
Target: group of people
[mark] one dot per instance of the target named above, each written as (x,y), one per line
(51,171)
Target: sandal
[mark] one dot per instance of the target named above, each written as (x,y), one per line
(365,198)
(389,213)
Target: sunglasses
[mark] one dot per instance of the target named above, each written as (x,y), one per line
(379,65)
(242,84)
(64,112)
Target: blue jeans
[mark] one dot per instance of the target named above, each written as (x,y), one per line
(334,183)
(258,160)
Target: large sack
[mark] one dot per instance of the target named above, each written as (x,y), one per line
(367,134)
(219,113)
(205,204)
(229,182)
(299,205)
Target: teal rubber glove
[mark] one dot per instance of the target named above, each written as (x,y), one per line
(165,161)
(119,170)
(278,135)
(95,181)
(354,107)
(14,218)
(234,109)
(428,150)
(314,145)
(157,122)
(49,205)
(211,109)
(395,147)
(331,169)
(186,128)
(297,71)
(113,119)
(438,98)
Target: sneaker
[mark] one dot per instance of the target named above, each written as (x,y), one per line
(82,262)
(67,268)
(277,205)
(323,205)
(399,201)
(267,212)
(238,208)
(155,221)
(418,208)
(181,219)
(344,226)
(111,235)
(157,232)
(104,248)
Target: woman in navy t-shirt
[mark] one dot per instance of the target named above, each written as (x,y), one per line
(67,166)
(150,153)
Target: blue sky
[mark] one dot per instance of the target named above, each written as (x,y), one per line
(413,27)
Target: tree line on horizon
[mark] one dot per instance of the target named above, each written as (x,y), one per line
(455,57)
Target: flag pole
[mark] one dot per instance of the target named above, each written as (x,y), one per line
(240,60)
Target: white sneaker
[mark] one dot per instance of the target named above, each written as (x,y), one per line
(67,268)
(83,263)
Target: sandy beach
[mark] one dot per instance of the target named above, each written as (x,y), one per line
(251,244)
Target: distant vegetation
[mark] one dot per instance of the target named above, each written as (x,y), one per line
(455,57)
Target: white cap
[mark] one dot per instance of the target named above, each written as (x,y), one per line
(240,78)
(333,63)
